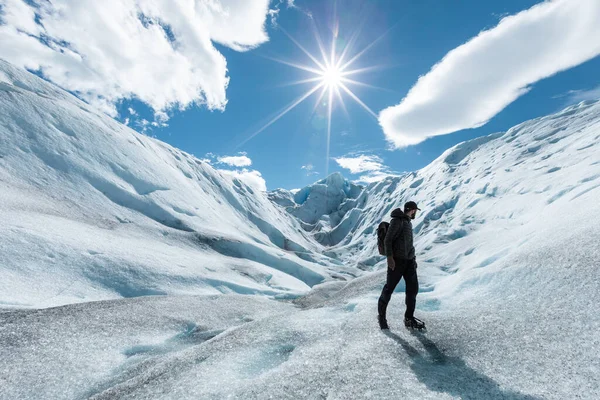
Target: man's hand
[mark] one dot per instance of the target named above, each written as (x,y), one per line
(391,263)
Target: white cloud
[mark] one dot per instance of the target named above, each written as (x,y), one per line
(251,178)
(274,12)
(477,80)
(309,168)
(158,51)
(575,96)
(273,15)
(20,15)
(236,161)
(373,165)
(362,163)
(131,111)
(374,177)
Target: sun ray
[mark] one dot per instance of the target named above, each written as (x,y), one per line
(363,51)
(359,101)
(364,69)
(320,98)
(357,83)
(348,46)
(350,43)
(329,111)
(297,66)
(342,103)
(330,76)
(335,32)
(301,82)
(287,109)
(319,41)
(303,49)
(332,63)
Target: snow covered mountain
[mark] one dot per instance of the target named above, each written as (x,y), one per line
(322,207)
(507,246)
(92,210)
(505,182)
(513,178)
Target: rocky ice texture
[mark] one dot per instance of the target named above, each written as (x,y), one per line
(323,206)
(93,210)
(507,247)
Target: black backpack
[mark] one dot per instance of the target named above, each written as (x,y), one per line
(381,232)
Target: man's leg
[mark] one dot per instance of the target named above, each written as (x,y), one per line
(393,277)
(412,288)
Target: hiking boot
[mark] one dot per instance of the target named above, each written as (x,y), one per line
(382,322)
(414,323)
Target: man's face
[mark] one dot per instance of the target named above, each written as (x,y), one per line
(412,214)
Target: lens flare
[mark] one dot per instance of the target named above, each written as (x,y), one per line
(330,72)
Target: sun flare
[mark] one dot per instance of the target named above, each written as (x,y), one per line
(330,75)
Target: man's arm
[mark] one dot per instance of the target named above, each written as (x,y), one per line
(392,233)
(407,243)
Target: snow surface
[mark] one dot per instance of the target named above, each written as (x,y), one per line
(93,210)
(274,295)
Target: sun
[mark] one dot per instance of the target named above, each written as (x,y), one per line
(330,76)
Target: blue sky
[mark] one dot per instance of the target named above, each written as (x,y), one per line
(408,38)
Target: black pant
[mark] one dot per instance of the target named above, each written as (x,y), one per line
(408,270)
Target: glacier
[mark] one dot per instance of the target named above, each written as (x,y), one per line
(118,214)
(131,269)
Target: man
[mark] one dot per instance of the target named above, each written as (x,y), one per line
(401,262)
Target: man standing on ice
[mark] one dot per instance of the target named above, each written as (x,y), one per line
(401,262)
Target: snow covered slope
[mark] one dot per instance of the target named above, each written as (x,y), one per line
(507,246)
(481,192)
(92,210)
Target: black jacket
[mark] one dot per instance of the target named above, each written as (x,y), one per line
(399,238)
